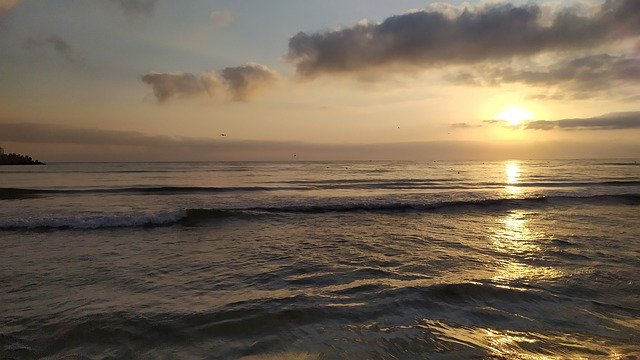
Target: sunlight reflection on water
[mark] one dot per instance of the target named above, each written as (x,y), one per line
(515,236)
(510,344)
(512,171)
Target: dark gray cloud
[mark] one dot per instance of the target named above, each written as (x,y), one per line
(56,43)
(613,121)
(136,8)
(241,82)
(59,143)
(583,77)
(182,85)
(245,80)
(432,38)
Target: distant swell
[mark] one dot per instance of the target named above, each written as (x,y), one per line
(302,185)
(194,216)
(17,193)
(630,199)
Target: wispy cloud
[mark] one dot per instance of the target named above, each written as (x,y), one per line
(6,6)
(494,121)
(241,82)
(583,77)
(56,43)
(132,8)
(464,125)
(136,8)
(433,38)
(613,121)
(222,18)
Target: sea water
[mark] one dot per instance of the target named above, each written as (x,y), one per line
(321,260)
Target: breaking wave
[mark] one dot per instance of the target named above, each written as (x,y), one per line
(194,216)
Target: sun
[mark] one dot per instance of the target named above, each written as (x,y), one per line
(514,115)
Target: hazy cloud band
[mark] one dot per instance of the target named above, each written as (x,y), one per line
(614,121)
(56,43)
(582,77)
(78,144)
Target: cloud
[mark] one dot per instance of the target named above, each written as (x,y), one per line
(55,142)
(132,8)
(182,85)
(6,6)
(50,133)
(241,82)
(541,125)
(437,38)
(464,125)
(136,8)
(222,18)
(613,121)
(56,43)
(583,77)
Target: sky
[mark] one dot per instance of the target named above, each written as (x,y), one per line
(161,80)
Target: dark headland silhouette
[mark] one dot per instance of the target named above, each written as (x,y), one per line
(17,159)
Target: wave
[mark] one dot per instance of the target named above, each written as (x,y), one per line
(94,221)
(453,185)
(355,184)
(395,321)
(195,216)
(497,203)
(253,319)
(555,184)
(19,193)
(634,163)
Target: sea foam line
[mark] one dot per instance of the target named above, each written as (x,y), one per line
(193,216)
(94,221)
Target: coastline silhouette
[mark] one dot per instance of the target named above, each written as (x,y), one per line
(18,159)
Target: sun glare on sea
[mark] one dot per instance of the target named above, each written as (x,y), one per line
(514,115)
(512,172)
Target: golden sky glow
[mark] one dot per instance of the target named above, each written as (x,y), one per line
(145,73)
(514,115)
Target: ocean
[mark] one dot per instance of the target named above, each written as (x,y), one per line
(321,260)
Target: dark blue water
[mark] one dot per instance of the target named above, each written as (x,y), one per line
(375,260)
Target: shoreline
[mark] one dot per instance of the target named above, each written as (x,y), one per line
(18,159)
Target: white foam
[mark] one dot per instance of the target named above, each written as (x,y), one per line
(94,221)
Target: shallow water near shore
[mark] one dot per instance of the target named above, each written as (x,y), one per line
(336,260)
